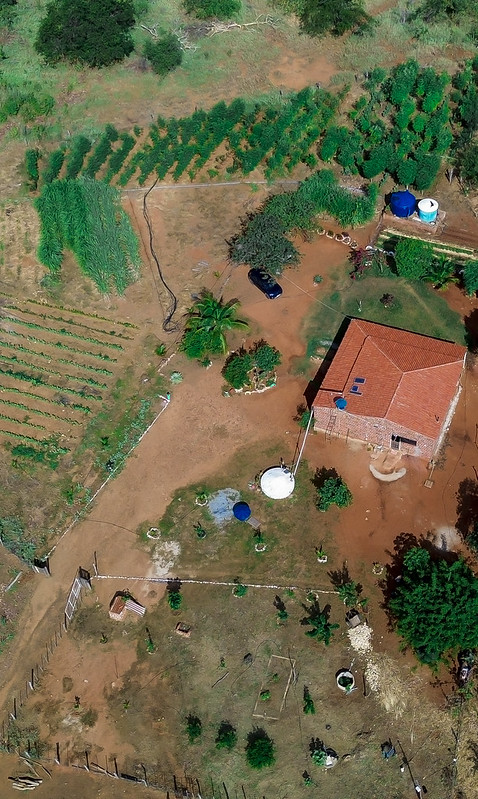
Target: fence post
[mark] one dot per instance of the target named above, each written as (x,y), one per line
(116,767)
(87,759)
(57,758)
(14,714)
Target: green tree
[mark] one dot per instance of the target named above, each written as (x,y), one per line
(207,323)
(92,32)
(318,752)
(468,164)
(470,277)
(406,171)
(435,605)
(205,9)
(413,258)
(263,244)
(193,728)
(335,17)
(322,627)
(226,737)
(237,368)
(164,54)
(260,749)
(266,358)
(175,600)
(308,706)
(333,491)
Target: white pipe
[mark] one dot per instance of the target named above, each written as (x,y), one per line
(303,443)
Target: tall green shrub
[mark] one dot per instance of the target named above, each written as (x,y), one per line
(164,54)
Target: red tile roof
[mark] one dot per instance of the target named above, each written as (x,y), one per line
(409,379)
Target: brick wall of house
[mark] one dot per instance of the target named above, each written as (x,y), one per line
(375,431)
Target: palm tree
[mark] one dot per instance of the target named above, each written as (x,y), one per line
(208,322)
(441,272)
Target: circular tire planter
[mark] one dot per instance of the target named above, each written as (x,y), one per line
(332,758)
(154,533)
(345,680)
(260,547)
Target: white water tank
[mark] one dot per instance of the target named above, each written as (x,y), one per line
(428,210)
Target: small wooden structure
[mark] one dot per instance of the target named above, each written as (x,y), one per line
(121,603)
(183,629)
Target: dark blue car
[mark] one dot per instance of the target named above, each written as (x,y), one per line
(265,283)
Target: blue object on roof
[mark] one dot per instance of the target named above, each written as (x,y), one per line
(340,403)
(403,203)
(241,511)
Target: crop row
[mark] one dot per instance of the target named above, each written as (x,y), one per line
(64,332)
(60,345)
(22,422)
(36,380)
(46,414)
(21,436)
(90,381)
(75,406)
(68,322)
(80,313)
(28,351)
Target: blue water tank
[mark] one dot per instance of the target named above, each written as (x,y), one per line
(340,403)
(241,511)
(402,203)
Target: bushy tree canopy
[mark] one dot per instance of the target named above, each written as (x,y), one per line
(319,17)
(164,54)
(334,491)
(260,750)
(436,605)
(206,9)
(413,258)
(92,32)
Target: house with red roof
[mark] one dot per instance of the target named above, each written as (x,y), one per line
(390,388)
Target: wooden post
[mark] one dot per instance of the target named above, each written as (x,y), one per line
(87,759)
(57,758)
(116,767)
(14,707)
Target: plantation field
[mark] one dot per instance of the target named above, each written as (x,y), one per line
(57,366)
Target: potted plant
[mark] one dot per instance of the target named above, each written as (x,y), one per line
(202,498)
(345,680)
(321,554)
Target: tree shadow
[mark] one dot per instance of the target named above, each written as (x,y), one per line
(313,611)
(323,474)
(257,734)
(340,577)
(173,585)
(278,603)
(467,505)
(471,330)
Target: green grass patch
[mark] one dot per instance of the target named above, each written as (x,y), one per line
(417,307)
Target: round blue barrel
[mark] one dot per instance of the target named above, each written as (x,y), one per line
(340,403)
(428,210)
(402,203)
(241,511)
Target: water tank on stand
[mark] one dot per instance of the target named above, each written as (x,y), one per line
(428,210)
(403,203)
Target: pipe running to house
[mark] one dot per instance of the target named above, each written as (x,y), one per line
(294,468)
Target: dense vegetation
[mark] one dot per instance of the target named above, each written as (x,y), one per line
(435,605)
(164,54)
(91,32)
(263,241)
(251,367)
(334,17)
(85,216)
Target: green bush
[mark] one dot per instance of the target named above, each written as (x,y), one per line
(260,749)
(205,9)
(333,491)
(12,536)
(331,16)
(175,600)
(92,32)
(164,54)
(54,165)
(435,605)
(413,258)
(237,368)
(193,728)
(31,164)
(226,737)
